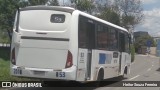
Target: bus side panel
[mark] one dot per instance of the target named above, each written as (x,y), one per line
(125,62)
(105,59)
(82,64)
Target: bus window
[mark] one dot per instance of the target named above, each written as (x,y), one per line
(121,41)
(82,33)
(86,33)
(127,43)
(112,39)
(102,37)
(57,18)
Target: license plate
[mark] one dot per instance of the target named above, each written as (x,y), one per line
(39,72)
(17,71)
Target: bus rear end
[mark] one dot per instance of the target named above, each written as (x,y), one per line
(40,43)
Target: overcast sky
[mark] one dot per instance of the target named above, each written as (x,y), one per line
(151,22)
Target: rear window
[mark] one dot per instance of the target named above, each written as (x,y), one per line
(47,20)
(57,18)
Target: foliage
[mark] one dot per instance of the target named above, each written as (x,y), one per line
(53,3)
(132,53)
(130,11)
(83,5)
(109,15)
(4,53)
(7,9)
(37,2)
(142,41)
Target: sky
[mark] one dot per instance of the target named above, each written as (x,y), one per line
(151,21)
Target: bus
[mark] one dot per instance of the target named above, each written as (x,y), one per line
(62,43)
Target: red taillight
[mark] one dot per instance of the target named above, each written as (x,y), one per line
(13,59)
(69,62)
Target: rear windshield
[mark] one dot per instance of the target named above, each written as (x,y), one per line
(44,20)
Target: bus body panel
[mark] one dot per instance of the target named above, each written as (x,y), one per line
(105,59)
(63,74)
(82,65)
(125,62)
(41,46)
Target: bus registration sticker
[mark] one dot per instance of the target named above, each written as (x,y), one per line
(17,71)
(60,74)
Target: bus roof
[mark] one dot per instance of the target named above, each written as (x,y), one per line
(42,7)
(101,20)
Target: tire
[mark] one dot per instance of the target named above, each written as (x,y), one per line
(100,77)
(124,76)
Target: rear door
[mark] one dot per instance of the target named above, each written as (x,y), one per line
(44,39)
(86,35)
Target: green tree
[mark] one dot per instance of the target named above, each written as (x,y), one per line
(37,2)
(53,3)
(130,12)
(142,41)
(7,14)
(83,5)
(110,15)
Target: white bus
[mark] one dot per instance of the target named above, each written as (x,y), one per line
(66,44)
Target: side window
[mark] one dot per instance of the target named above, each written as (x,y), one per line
(121,41)
(126,43)
(86,33)
(82,33)
(102,35)
(113,39)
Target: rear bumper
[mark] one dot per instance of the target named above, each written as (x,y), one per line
(70,73)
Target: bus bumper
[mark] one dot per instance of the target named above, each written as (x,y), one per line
(64,74)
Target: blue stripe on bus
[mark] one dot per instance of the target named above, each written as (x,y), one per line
(102,58)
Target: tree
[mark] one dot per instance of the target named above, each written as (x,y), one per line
(83,5)
(110,15)
(37,2)
(7,9)
(142,41)
(130,12)
(53,3)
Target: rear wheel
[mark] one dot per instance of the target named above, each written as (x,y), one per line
(124,76)
(100,77)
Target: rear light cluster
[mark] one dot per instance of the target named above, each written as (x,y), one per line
(69,62)
(13,59)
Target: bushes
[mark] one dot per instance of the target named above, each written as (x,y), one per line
(132,53)
(5,53)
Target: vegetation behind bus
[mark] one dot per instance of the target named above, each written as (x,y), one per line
(132,52)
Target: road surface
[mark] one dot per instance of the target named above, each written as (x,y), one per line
(145,68)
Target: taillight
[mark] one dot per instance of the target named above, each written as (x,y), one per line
(13,59)
(69,62)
